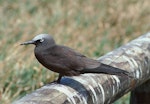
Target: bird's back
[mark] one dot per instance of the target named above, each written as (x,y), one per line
(61,58)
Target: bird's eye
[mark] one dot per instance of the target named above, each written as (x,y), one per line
(41,40)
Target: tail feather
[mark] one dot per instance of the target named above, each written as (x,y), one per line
(106,69)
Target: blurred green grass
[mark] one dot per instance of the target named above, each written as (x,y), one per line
(93,27)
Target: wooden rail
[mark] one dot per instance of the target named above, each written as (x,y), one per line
(101,88)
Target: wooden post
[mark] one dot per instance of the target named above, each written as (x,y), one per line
(141,94)
(99,88)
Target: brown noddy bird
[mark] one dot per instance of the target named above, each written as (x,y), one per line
(66,61)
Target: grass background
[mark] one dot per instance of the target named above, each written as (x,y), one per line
(93,27)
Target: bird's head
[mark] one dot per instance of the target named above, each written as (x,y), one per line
(41,39)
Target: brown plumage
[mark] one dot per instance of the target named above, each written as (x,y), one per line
(66,61)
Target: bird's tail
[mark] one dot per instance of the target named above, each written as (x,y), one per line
(106,69)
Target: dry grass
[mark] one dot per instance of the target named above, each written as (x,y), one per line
(93,27)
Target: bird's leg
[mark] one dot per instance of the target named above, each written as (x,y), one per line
(59,78)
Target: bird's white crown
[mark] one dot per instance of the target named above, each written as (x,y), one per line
(41,37)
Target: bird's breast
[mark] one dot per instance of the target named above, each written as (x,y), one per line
(51,62)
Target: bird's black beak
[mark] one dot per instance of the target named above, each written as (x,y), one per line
(28,42)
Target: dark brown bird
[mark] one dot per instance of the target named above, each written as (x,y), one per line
(66,61)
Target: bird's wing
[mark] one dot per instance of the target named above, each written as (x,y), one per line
(71,51)
(63,51)
(73,59)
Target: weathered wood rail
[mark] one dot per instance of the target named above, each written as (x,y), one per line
(101,88)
